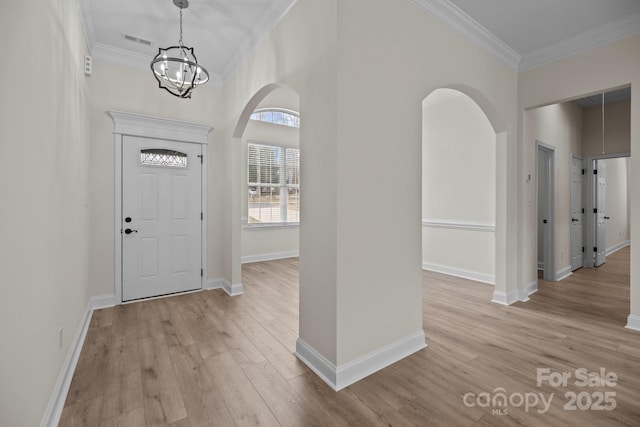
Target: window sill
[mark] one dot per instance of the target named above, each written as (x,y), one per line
(269,226)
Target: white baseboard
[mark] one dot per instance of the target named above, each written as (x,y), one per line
(212,284)
(52,414)
(531,288)
(617,247)
(232,290)
(504,298)
(269,257)
(564,273)
(633,322)
(102,301)
(459,272)
(343,376)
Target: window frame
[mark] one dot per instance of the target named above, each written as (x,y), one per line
(283,186)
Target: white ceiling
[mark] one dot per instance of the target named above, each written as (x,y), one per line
(531,25)
(528,33)
(523,33)
(220,31)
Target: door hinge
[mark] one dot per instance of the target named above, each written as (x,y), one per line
(201,216)
(595,210)
(582,210)
(583,249)
(202,272)
(582,171)
(201,158)
(595,171)
(595,249)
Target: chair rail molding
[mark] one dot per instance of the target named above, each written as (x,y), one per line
(459,225)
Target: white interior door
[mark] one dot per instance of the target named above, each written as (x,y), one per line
(161,217)
(577,214)
(601,188)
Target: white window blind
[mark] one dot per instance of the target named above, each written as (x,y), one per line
(273,184)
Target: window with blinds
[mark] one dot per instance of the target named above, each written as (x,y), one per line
(273,184)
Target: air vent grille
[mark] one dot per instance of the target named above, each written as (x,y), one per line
(136,39)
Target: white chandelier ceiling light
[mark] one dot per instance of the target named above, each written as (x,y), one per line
(176,68)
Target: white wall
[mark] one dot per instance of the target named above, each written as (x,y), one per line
(559,126)
(616,203)
(361,87)
(306,63)
(44,214)
(260,243)
(606,67)
(114,88)
(458,186)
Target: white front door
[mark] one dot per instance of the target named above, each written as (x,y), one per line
(577,214)
(601,187)
(161,217)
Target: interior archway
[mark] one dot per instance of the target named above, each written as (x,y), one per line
(465,214)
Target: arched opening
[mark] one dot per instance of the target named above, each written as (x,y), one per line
(458,187)
(464,188)
(267,194)
(270,179)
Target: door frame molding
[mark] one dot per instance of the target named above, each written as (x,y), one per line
(590,219)
(131,124)
(575,156)
(550,233)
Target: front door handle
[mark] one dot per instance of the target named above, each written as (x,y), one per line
(129,231)
(574,220)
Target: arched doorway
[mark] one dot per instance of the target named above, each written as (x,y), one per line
(465,210)
(458,187)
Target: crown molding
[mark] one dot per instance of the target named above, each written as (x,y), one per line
(608,33)
(130,59)
(450,15)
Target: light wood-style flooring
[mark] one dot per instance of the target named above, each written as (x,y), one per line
(208,359)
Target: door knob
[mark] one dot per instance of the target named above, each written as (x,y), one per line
(129,231)
(574,220)
(606,217)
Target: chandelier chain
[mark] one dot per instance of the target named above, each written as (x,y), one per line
(180,28)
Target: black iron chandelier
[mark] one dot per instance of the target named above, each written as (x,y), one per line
(176,67)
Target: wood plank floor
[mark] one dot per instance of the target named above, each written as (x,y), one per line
(208,359)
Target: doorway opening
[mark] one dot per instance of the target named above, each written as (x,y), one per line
(270,179)
(545,161)
(459,161)
(608,214)
(591,139)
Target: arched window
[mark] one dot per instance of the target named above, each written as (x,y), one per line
(278,116)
